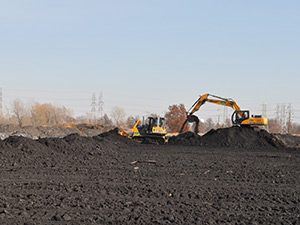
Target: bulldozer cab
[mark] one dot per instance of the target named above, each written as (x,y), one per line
(150,130)
(150,126)
(155,122)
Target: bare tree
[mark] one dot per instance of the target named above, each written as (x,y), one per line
(106,120)
(210,124)
(19,112)
(295,128)
(87,118)
(118,114)
(47,114)
(131,121)
(274,126)
(4,117)
(228,122)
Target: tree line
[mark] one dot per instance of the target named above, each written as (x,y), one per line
(46,114)
(36,114)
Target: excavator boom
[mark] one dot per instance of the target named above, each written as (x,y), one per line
(218,100)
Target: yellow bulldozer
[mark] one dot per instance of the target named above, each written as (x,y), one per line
(151,130)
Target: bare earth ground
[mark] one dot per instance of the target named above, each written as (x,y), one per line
(108,179)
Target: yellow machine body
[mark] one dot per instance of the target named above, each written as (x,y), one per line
(149,130)
(152,130)
(255,121)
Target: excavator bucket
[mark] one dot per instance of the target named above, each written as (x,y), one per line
(182,127)
(191,119)
(194,119)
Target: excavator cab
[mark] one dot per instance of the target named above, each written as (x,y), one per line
(239,116)
(243,118)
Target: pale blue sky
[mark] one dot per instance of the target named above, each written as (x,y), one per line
(147,55)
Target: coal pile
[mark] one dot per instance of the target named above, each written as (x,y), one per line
(109,140)
(19,152)
(83,129)
(110,179)
(289,140)
(114,137)
(233,137)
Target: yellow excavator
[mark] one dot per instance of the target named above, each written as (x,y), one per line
(239,117)
(151,130)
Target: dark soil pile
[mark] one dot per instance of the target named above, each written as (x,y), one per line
(74,142)
(1,144)
(289,140)
(82,129)
(110,179)
(233,137)
(24,151)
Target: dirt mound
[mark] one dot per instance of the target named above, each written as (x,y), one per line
(35,132)
(20,152)
(115,138)
(74,142)
(110,179)
(1,143)
(289,140)
(233,137)
(25,151)
(62,130)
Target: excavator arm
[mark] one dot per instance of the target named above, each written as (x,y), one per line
(218,100)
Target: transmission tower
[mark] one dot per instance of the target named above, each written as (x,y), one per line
(289,120)
(283,118)
(277,113)
(100,105)
(225,115)
(93,106)
(264,110)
